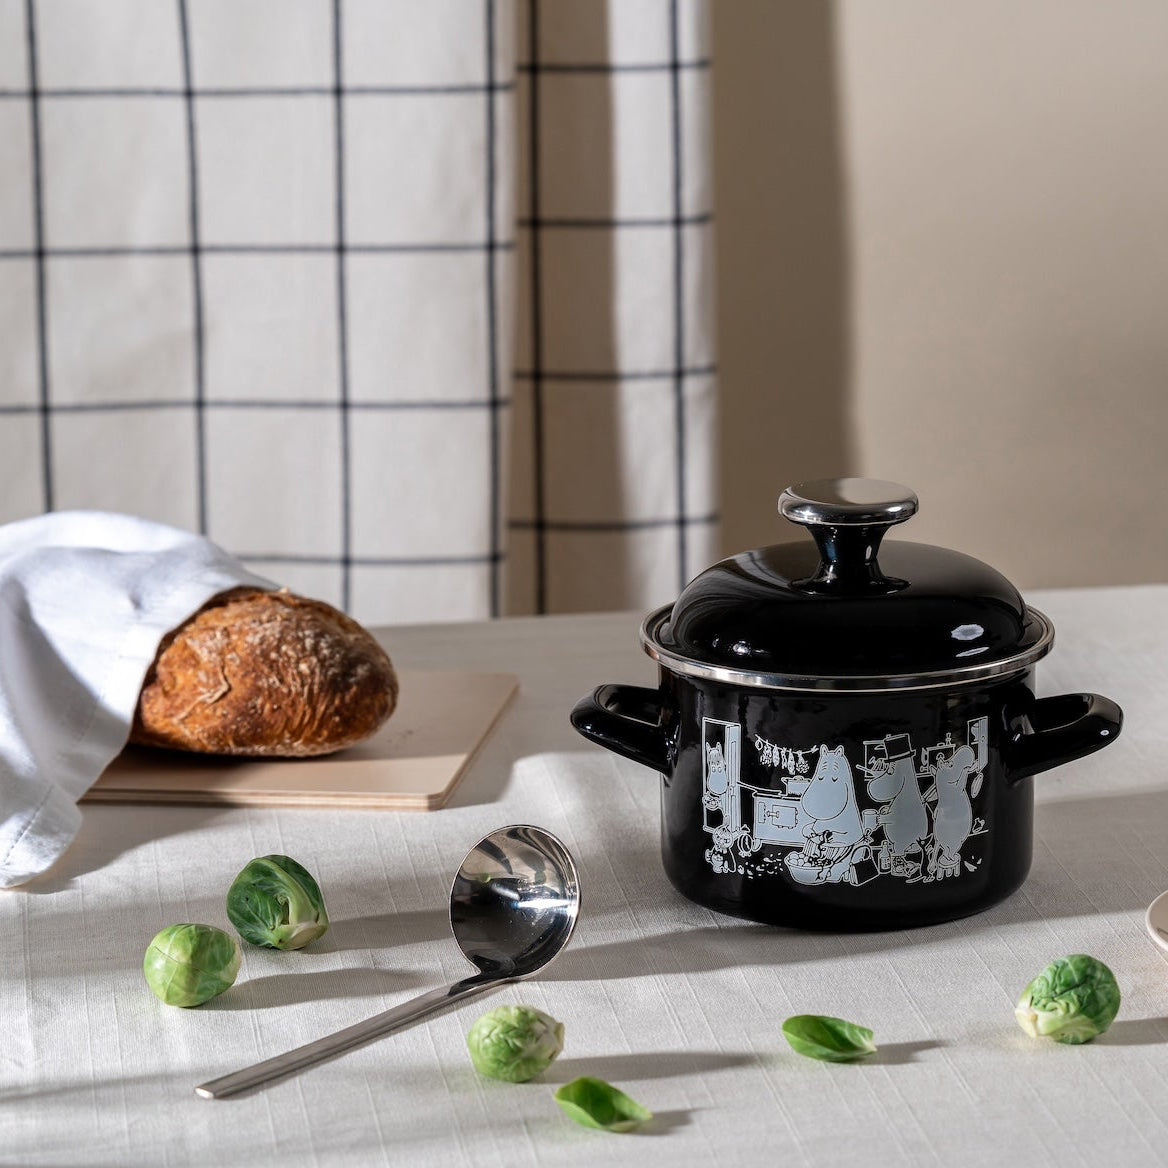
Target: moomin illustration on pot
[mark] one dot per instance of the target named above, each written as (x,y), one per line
(901,820)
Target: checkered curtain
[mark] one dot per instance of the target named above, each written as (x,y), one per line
(405,303)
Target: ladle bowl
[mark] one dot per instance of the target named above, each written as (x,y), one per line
(514,901)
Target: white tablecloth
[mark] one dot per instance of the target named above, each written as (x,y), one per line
(679,1006)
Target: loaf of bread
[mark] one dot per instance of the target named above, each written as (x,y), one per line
(265,673)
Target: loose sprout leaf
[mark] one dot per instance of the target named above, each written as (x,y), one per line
(830,1039)
(276,903)
(595,1103)
(1073,1000)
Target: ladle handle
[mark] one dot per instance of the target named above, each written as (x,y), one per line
(344,1040)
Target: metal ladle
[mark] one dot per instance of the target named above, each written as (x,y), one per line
(513,906)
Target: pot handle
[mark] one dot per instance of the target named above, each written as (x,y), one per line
(1061,729)
(628,720)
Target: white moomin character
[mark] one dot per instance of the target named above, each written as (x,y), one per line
(893,782)
(717,796)
(953,818)
(835,827)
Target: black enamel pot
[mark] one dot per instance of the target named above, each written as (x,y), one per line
(846,743)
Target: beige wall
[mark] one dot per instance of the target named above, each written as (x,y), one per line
(943,252)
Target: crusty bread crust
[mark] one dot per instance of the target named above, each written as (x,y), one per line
(268,674)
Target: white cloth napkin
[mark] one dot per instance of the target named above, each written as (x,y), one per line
(85,599)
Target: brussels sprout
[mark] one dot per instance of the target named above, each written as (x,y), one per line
(1072,1000)
(595,1103)
(514,1043)
(188,964)
(831,1040)
(274,902)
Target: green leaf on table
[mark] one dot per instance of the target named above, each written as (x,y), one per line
(595,1103)
(831,1039)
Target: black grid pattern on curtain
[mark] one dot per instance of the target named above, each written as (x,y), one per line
(309,457)
(553,545)
(52,262)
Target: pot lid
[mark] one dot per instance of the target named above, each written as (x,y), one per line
(826,613)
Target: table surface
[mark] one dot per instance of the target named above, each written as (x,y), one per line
(679,1006)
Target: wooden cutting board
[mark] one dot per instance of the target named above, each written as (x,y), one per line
(414,762)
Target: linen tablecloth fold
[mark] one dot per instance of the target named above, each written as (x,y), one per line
(85,599)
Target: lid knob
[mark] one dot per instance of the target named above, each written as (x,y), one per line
(847,518)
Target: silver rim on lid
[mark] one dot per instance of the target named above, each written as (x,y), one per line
(874,683)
